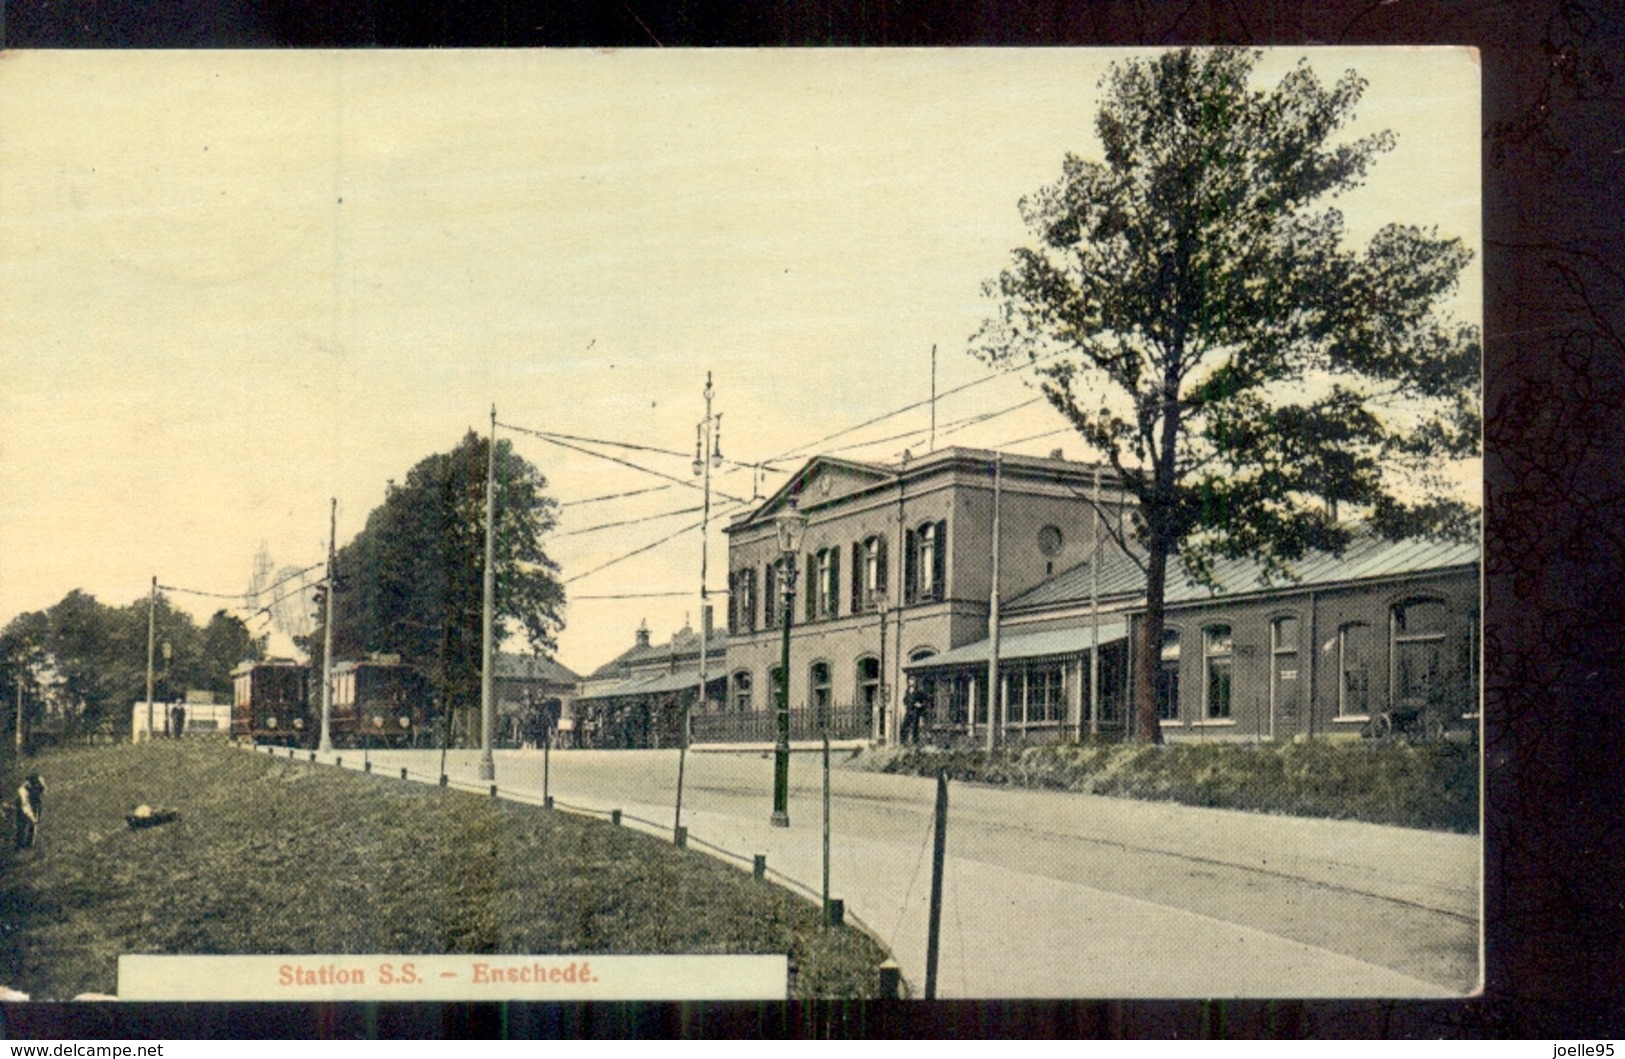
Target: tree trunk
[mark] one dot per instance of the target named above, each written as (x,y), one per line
(1148,729)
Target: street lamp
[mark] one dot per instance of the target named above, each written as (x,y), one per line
(791,523)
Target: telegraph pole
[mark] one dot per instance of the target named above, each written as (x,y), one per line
(152,610)
(707,454)
(326,745)
(1094,618)
(995,719)
(488,768)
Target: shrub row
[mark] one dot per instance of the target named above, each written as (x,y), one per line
(1412,784)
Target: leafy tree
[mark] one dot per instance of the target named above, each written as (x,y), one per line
(85,662)
(223,643)
(412,582)
(1196,314)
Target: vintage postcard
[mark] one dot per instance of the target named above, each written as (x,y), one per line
(960,524)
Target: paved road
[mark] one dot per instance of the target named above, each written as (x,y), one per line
(1050,894)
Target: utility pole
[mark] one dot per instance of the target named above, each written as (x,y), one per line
(488,768)
(1094,618)
(152,611)
(707,454)
(939,848)
(933,397)
(882,693)
(326,744)
(995,701)
(894,733)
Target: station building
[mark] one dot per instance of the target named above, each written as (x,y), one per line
(894,595)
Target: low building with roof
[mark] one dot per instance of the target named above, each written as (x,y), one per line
(535,698)
(637,698)
(1384,635)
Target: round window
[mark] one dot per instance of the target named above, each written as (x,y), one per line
(1049,541)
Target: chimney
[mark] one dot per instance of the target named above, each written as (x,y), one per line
(1056,454)
(643,633)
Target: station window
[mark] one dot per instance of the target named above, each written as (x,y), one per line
(1216,651)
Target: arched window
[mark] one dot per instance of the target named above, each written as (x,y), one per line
(926,562)
(868,681)
(1167,678)
(1285,684)
(868,573)
(818,675)
(1216,654)
(741,691)
(826,584)
(1417,629)
(1354,670)
(742,601)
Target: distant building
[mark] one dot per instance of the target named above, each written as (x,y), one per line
(637,699)
(534,695)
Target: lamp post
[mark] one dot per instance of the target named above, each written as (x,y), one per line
(790,524)
(168,652)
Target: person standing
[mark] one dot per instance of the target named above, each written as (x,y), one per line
(177,720)
(30,807)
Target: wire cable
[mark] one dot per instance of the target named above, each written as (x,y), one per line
(615,496)
(627,522)
(554,440)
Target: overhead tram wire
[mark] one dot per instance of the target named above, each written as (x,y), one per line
(636,551)
(613,496)
(951,427)
(639,551)
(802,449)
(555,440)
(626,522)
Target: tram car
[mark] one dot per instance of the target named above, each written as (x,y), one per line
(380,702)
(271,703)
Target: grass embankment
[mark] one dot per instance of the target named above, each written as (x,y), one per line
(278,856)
(1424,785)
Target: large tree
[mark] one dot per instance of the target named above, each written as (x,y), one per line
(412,582)
(1196,312)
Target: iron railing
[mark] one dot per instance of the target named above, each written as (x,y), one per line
(762,726)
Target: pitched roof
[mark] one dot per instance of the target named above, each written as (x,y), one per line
(1366,558)
(678,647)
(1119,575)
(533,667)
(1016,647)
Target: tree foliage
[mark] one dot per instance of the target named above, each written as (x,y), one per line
(412,582)
(82,663)
(1195,311)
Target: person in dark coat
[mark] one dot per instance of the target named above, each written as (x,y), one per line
(30,807)
(177,720)
(914,714)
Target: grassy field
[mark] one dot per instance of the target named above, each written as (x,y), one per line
(1411,784)
(279,856)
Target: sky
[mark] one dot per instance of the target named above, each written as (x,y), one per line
(234,285)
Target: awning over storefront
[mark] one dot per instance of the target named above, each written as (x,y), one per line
(1019,646)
